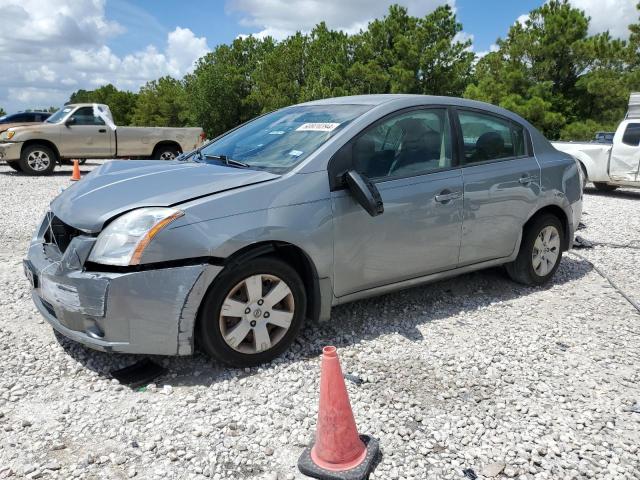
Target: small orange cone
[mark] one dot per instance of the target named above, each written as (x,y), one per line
(76,171)
(339,452)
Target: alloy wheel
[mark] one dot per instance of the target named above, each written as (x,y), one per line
(546,250)
(38,160)
(168,155)
(257,313)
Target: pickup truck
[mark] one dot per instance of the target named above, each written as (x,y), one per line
(610,166)
(86,130)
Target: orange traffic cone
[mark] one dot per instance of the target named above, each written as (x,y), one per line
(339,452)
(76,171)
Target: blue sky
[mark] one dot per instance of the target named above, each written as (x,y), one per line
(486,20)
(48,49)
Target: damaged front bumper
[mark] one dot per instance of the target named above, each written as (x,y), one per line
(152,311)
(10,151)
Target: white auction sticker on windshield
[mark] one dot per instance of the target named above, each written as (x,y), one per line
(317,127)
(295,153)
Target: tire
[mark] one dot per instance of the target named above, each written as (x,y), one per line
(37,160)
(523,269)
(165,152)
(604,187)
(231,289)
(15,165)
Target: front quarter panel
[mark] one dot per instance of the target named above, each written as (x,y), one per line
(295,209)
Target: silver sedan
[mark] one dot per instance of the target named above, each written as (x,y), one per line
(233,246)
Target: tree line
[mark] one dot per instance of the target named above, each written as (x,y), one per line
(548,69)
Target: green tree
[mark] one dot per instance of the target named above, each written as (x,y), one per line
(220,88)
(2,112)
(550,71)
(161,103)
(121,103)
(417,55)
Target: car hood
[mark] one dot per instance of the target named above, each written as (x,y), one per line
(122,185)
(7,126)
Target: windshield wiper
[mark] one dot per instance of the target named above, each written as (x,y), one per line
(229,162)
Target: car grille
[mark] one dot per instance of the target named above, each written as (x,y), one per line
(59,233)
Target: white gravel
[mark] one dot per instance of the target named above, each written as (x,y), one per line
(471,373)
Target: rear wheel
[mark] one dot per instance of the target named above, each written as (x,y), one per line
(604,187)
(166,152)
(37,160)
(252,313)
(540,252)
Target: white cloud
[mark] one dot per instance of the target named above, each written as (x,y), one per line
(612,15)
(492,48)
(522,19)
(280,18)
(49,49)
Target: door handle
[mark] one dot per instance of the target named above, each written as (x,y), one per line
(527,179)
(446,196)
(103,130)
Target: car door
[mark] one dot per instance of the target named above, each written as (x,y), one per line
(624,165)
(85,135)
(408,156)
(501,184)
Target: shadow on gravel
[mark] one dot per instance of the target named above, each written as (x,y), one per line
(401,313)
(623,194)
(55,173)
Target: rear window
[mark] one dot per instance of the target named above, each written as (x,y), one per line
(632,135)
(487,137)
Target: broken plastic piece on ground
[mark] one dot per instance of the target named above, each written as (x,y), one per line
(581,226)
(580,242)
(139,374)
(353,378)
(469,473)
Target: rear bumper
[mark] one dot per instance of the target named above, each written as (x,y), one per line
(147,312)
(10,151)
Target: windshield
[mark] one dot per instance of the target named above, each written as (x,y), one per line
(282,139)
(59,115)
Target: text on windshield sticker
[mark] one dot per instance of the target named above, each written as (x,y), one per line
(317,127)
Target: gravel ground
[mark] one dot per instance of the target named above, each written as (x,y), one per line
(471,373)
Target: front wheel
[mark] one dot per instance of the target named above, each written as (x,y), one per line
(166,152)
(252,313)
(37,160)
(604,187)
(540,252)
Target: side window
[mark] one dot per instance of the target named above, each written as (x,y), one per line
(487,137)
(411,143)
(632,135)
(84,116)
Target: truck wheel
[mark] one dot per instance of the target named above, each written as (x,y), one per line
(37,160)
(165,152)
(252,313)
(604,187)
(15,165)
(540,252)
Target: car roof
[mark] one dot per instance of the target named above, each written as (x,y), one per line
(403,100)
(379,99)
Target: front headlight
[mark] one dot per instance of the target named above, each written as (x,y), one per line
(124,239)
(7,135)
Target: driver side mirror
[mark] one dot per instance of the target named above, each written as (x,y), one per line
(70,121)
(364,192)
